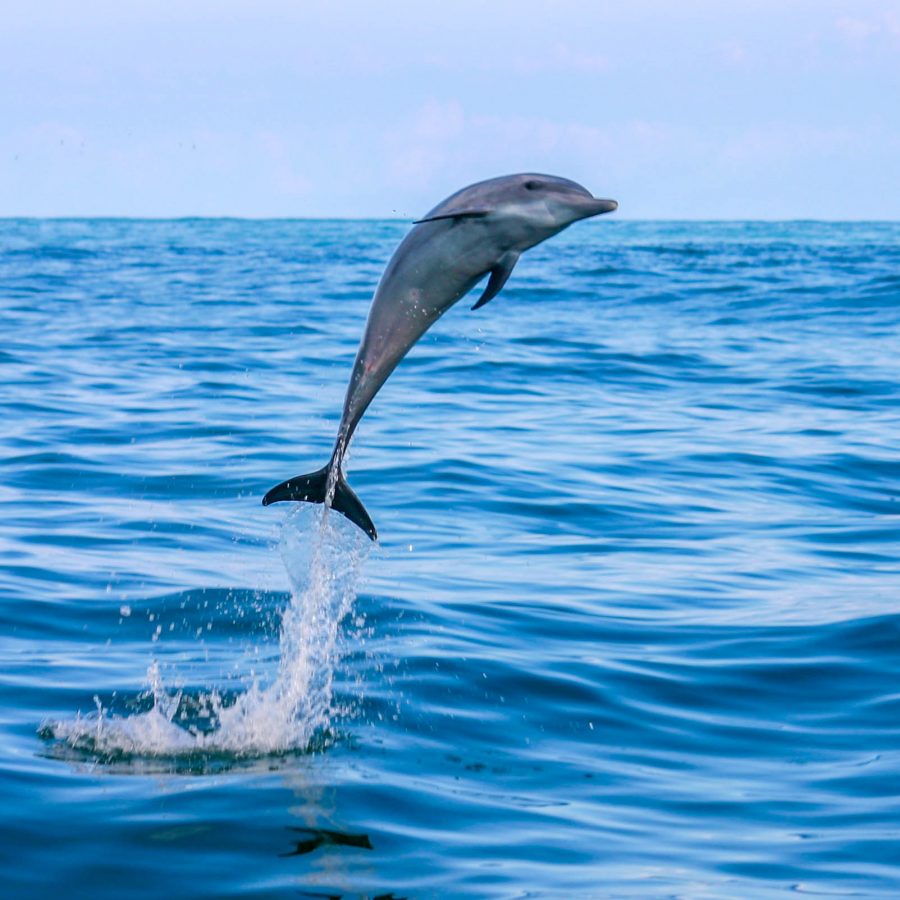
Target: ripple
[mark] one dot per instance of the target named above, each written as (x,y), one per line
(635,600)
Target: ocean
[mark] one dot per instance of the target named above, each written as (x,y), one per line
(631,628)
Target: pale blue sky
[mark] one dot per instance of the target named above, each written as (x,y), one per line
(695,109)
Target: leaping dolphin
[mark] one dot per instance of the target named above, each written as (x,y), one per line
(481,229)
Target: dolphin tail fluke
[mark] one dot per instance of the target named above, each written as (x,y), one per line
(348,504)
(312,488)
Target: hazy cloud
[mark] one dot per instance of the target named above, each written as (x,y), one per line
(338,109)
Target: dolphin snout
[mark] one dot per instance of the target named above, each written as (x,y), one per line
(585,206)
(598,206)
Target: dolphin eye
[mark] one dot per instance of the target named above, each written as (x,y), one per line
(532,185)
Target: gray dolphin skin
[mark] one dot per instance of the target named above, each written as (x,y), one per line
(481,229)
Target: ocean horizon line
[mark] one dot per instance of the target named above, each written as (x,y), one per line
(251,218)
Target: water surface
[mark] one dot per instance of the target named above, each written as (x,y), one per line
(632,627)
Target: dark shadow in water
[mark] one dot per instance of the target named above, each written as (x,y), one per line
(325,896)
(320,837)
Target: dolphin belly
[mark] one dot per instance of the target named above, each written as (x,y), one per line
(408,301)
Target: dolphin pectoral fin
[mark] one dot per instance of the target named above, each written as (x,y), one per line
(499,274)
(312,488)
(458,214)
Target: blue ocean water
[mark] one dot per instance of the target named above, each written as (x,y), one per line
(632,627)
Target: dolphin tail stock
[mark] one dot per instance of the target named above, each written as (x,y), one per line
(313,488)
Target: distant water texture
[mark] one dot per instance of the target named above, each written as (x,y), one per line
(632,628)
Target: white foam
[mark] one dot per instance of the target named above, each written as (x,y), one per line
(323,555)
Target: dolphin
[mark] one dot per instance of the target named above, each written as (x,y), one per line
(481,229)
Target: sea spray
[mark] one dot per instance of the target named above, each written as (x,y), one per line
(323,555)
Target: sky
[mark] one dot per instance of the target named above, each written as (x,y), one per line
(696,109)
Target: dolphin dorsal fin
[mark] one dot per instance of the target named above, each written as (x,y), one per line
(454,214)
(499,274)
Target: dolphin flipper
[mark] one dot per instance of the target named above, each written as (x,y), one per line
(312,489)
(499,275)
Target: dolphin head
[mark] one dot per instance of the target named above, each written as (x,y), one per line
(528,207)
(554,201)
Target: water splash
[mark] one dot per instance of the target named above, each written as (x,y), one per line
(324,556)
